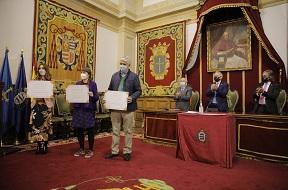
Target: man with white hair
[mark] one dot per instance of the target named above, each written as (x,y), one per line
(124,80)
(266,94)
(183,95)
(216,94)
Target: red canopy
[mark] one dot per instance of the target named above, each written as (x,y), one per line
(250,11)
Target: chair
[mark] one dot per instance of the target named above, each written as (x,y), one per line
(232,100)
(194,100)
(102,116)
(63,107)
(63,116)
(281,101)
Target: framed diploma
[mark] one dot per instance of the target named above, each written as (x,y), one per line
(77,94)
(39,89)
(116,100)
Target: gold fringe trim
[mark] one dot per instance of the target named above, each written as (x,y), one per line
(258,36)
(228,5)
(197,39)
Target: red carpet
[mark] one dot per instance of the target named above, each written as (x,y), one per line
(151,166)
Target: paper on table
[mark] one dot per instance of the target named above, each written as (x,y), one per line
(206,113)
(77,94)
(39,89)
(192,112)
(116,100)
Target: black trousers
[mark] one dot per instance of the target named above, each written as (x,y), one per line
(80,136)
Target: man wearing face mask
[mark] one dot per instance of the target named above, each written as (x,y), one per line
(183,95)
(266,94)
(216,93)
(84,115)
(124,80)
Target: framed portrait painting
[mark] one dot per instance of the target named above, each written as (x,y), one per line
(229,46)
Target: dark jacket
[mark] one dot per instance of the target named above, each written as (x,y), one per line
(91,106)
(270,98)
(221,98)
(131,85)
(183,101)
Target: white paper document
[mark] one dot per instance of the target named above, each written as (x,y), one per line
(116,100)
(39,89)
(77,94)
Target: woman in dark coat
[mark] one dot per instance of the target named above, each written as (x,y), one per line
(84,115)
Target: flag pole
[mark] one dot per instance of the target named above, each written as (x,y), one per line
(17,141)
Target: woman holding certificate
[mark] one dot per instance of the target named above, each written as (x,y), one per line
(84,115)
(41,114)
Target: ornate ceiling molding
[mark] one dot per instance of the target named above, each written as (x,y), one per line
(135,11)
(130,15)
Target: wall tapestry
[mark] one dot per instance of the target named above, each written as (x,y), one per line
(65,40)
(229,46)
(161,58)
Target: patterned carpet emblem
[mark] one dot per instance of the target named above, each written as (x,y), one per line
(117,183)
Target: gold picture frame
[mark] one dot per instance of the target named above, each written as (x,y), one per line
(229,46)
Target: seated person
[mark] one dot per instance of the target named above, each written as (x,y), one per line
(216,93)
(266,94)
(183,95)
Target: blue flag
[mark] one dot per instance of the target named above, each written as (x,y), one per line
(22,105)
(7,96)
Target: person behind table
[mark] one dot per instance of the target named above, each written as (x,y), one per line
(266,94)
(41,114)
(128,81)
(183,95)
(216,93)
(83,117)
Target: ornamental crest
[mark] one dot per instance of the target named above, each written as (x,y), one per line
(202,136)
(159,61)
(68,50)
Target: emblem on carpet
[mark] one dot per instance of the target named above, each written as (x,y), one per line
(117,183)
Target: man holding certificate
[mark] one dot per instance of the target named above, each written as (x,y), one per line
(124,81)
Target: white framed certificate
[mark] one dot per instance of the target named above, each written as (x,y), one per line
(39,89)
(116,100)
(77,94)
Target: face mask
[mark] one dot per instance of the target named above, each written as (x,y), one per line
(265,79)
(42,72)
(182,84)
(217,79)
(84,76)
(123,69)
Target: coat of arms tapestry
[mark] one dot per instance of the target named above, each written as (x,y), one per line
(65,40)
(161,54)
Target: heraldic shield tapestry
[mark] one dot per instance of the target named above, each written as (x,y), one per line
(161,58)
(65,40)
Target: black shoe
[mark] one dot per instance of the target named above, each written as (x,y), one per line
(127,157)
(110,156)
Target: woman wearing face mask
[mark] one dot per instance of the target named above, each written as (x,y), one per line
(183,95)
(41,114)
(84,115)
(216,93)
